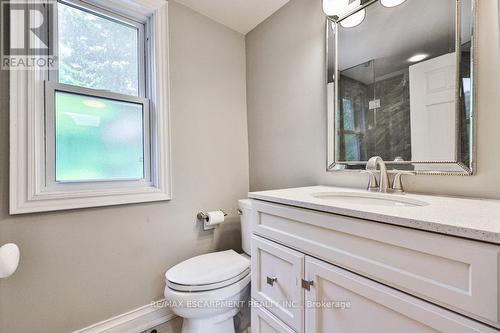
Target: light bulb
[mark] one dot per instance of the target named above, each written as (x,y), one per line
(391,3)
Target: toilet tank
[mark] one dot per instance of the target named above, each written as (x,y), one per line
(245,206)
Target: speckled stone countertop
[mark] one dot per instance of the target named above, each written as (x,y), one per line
(477,219)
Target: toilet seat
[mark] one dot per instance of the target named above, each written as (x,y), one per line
(207,287)
(208,272)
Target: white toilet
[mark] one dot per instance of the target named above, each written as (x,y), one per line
(209,290)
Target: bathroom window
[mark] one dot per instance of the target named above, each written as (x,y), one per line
(97,109)
(101,129)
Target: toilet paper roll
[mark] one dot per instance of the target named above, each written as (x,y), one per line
(9,260)
(215,217)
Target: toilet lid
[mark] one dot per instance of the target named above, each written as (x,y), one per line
(208,271)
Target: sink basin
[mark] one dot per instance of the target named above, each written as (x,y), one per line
(372,199)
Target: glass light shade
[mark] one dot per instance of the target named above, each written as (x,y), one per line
(354,19)
(339,7)
(391,3)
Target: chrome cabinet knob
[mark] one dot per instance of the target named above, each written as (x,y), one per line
(271,280)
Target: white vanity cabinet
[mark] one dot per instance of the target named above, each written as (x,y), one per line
(322,272)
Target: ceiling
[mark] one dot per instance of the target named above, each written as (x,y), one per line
(239,15)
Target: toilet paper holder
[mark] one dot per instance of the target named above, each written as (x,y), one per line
(202,216)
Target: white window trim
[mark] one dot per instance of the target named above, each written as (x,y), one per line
(28,191)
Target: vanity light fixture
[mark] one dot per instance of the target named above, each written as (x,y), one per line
(418,57)
(341,7)
(391,3)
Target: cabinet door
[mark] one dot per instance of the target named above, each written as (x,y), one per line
(341,301)
(277,273)
(264,322)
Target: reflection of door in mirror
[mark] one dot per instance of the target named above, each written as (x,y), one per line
(432,111)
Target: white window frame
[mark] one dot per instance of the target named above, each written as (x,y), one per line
(32,184)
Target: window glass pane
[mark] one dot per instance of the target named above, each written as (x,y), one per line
(352,151)
(97,52)
(98,139)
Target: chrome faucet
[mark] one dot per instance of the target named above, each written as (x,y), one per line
(384,185)
(372,165)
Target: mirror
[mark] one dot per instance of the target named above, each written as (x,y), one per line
(398,88)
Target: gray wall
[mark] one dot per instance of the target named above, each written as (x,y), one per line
(287,106)
(83,266)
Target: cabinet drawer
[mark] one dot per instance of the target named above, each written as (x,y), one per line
(348,303)
(459,274)
(264,322)
(277,273)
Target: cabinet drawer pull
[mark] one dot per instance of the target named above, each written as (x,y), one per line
(271,280)
(307,284)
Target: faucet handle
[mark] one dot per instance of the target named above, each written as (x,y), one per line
(372,181)
(397,183)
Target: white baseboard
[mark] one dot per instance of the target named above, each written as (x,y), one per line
(134,321)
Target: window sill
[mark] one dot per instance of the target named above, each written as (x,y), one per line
(50,202)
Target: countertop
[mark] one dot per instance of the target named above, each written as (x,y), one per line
(477,219)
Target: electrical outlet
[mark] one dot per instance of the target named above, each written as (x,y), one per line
(375,104)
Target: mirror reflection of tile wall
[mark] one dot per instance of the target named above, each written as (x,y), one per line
(375,117)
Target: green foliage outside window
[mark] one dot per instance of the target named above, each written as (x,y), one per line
(97,52)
